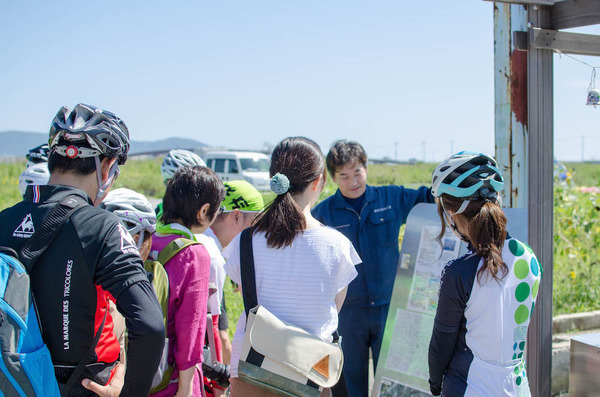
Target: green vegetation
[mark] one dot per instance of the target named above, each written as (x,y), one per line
(585,174)
(409,175)
(9,183)
(143,176)
(576,244)
(576,220)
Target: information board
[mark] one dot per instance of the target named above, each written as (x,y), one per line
(403,369)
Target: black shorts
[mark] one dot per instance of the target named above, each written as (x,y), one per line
(223,320)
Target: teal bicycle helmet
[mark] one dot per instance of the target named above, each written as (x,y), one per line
(467,175)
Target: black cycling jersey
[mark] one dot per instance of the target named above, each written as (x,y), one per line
(92,259)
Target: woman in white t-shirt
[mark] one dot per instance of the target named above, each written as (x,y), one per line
(302,268)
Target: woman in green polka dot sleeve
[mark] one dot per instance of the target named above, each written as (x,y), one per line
(486,296)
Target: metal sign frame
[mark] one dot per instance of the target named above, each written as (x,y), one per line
(525,37)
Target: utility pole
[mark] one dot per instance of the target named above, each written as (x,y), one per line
(396,150)
(582,148)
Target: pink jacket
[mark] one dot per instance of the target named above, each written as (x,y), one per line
(188,273)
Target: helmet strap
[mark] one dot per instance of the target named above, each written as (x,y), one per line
(450,221)
(140,239)
(112,175)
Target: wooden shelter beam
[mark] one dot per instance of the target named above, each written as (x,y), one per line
(566,42)
(570,43)
(575,13)
(527,2)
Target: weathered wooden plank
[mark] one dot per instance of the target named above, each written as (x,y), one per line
(510,103)
(541,149)
(570,43)
(527,2)
(574,13)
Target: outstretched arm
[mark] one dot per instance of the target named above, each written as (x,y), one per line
(144,321)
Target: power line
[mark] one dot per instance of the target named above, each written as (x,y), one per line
(560,53)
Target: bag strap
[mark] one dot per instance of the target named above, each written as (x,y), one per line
(247,271)
(35,247)
(251,300)
(249,278)
(86,357)
(173,249)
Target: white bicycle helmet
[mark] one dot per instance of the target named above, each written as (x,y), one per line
(179,158)
(36,174)
(468,175)
(134,209)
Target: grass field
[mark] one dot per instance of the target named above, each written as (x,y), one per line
(576,222)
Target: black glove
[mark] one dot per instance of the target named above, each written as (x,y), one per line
(218,372)
(215,370)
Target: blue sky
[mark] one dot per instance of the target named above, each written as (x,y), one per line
(243,73)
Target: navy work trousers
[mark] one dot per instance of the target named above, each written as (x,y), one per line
(361,328)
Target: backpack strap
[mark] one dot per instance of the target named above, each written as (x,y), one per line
(160,282)
(173,249)
(85,360)
(247,271)
(9,251)
(46,234)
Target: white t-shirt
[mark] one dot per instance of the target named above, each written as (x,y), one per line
(217,273)
(298,284)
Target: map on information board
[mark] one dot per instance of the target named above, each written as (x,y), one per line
(403,369)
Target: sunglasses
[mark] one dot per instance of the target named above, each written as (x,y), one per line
(221,210)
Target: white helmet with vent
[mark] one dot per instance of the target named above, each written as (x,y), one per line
(179,158)
(36,174)
(133,208)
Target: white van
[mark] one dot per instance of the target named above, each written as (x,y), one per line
(249,166)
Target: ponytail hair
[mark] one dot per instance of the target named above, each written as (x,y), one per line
(486,231)
(301,161)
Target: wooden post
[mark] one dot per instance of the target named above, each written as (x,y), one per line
(510,91)
(541,151)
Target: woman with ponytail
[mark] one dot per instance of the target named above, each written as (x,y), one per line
(486,296)
(302,268)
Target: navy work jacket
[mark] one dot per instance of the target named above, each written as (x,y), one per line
(374,234)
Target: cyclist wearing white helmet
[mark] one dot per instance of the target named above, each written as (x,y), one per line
(176,159)
(486,296)
(37,155)
(136,213)
(36,174)
(91,260)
